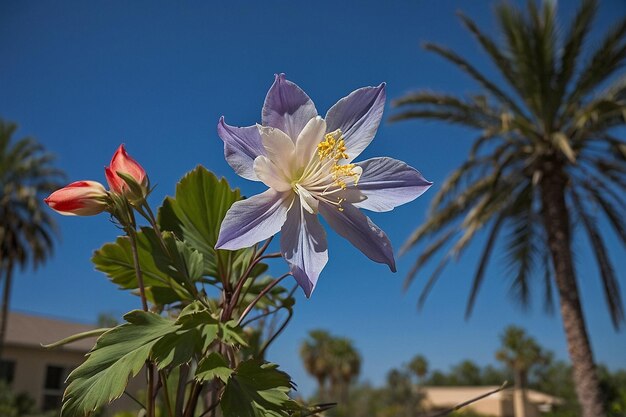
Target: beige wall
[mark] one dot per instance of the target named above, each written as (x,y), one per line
(30,372)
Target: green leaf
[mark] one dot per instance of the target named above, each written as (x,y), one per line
(175,349)
(255,389)
(195,215)
(196,316)
(213,366)
(181,262)
(232,333)
(119,355)
(116,261)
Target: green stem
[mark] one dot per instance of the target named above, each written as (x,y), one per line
(166,393)
(261,295)
(234,300)
(275,335)
(196,388)
(132,235)
(282,326)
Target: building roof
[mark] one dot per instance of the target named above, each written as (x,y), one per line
(452,395)
(30,330)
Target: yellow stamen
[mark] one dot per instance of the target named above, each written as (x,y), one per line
(333,147)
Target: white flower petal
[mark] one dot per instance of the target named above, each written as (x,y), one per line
(309,138)
(270,174)
(279,147)
(309,203)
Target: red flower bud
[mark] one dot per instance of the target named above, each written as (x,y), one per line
(125,164)
(80,198)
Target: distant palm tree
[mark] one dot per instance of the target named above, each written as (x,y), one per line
(26,228)
(315,354)
(419,367)
(467,373)
(520,353)
(545,162)
(345,366)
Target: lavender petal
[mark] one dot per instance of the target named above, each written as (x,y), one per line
(241,146)
(254,219)
(359,230)
(358,116)
(388,183)
(303,245)
(287,107)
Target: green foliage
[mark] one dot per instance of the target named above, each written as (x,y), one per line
(333,359)
(213,366)
(195,215)
(257,389)
(199,343)
(118,355)
(14,405)
(167,280)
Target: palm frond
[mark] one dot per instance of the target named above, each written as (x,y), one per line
(607,272)
(573,45)
(607,59)
(482,264)
(612,213)
(519,46)
(475,74)
(427,254)
(502,61)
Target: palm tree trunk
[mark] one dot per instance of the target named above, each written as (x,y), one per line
(6,297)
(519,396)
(557,226)
(321,384)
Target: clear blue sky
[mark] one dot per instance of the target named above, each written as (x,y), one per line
(83,77)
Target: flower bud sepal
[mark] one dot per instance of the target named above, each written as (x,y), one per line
(136,193)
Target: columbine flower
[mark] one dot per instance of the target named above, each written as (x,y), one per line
(124,164)
(306,162)
(80,198)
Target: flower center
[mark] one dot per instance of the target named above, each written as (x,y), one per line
(333,148)
(325,179)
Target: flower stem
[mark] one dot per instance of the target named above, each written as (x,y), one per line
(132,235)
(258,256)
(261,295)
(166,394)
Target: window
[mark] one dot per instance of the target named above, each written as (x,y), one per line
(7,370)
(53,387)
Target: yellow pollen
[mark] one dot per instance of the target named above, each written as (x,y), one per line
(333,147)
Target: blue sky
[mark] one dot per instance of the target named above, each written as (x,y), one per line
(83,77)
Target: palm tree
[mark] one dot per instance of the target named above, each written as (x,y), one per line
(26,228)
(467,373)
(520,353)
(545,161)
(315,354)
(345,365)
(419,367)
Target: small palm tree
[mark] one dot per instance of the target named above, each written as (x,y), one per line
(26,228)
(520,353)
(345,366)
(544,165)
(315,354)
(419,367)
